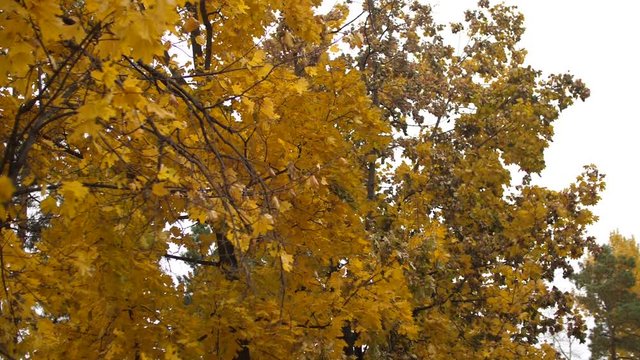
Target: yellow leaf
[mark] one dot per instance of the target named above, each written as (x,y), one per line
(200,40)
(158,189)
(264,70)
(301,85)
(239,7)
(440,255)
(159,111)
(312,181)
(288,40)
(263,225)
(242,241)
(212,215)
(108,75)
(249,104)
(284,206)
(275,202)
(198,214)
(236,89)
(171,353)
(268,109)
(257,58)
(84,262)
(6,188)
(74,189)
(287,261)
(167,173)
(190,25)
(49,205)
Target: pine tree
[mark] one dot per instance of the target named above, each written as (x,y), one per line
(608,280)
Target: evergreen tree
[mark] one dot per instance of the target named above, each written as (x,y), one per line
(608,280)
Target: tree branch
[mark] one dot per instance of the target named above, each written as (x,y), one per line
(192,260)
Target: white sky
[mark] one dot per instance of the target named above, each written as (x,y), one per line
(596,42)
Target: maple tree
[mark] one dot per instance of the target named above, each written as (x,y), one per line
(610,280)
(353,203)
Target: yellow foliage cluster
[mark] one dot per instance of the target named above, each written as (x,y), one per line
(309,240)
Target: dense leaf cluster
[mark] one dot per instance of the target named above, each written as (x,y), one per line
(350,175)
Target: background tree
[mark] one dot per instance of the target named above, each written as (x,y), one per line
(609,281)
(627,248)
(311,242)
(475,244)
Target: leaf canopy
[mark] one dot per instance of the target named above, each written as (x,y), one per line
(346,202)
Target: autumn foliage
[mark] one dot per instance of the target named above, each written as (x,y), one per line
(339,183)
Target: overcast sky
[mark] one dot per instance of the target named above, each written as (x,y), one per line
(596,42)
